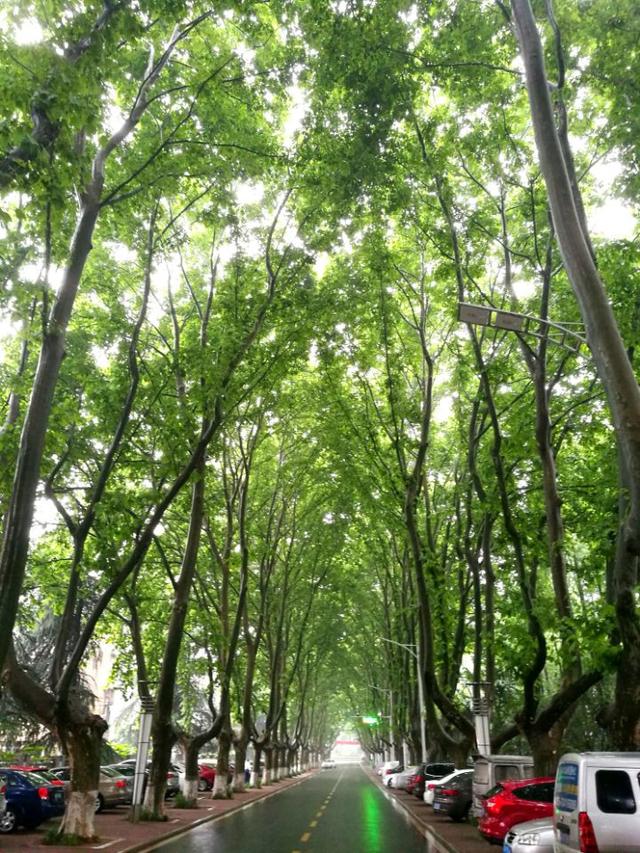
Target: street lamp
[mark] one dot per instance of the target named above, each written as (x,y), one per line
(525,324)
(414,650)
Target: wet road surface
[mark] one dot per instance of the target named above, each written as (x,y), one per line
(336,811)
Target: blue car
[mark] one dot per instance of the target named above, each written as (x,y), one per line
(30,800)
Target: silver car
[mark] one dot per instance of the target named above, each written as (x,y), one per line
(401,779)
(534,836)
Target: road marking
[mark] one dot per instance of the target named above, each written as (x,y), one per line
(305,837)
(320,813)
(313,824)
(108,844)
(163,842)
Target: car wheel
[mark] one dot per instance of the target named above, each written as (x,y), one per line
(202,785)
(8,820)
(99,803)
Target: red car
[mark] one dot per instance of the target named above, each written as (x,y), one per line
(206,777)
(514,802)
(413,781)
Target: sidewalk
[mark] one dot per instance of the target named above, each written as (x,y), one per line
(117,835)
(442,834)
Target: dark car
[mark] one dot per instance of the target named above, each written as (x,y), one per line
(454,798)
(30,800)
(512,802)
(427,772)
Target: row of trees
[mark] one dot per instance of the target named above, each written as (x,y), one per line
(236,373)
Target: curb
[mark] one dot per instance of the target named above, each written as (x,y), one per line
(144,846)
(433,837)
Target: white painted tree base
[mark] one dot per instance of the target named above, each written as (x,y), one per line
(79,816)
(190,789)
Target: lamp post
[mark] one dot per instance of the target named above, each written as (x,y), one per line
(414,651)
(144,736)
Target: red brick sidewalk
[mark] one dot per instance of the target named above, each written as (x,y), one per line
(443,835)
(117,835)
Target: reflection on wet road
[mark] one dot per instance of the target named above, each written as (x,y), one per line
(336,811)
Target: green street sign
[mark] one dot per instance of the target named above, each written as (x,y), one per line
(370,721)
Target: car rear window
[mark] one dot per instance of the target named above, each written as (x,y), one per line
(506,771)
(36,780)
(439,770)
(614,792)
(541,792)
(497,789)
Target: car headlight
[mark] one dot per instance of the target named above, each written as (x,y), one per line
(529,838)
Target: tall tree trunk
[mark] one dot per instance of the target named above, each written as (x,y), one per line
(612,363)
(19,515)
(221,789)
(162,729)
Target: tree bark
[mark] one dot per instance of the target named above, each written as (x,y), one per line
(611,360)
(221,788)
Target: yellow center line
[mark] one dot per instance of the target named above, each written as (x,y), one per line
(313,824)
(320,813)
(305,837)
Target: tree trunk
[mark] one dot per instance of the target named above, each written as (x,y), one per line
(82,742)
(221,785)
(19,516)
(545,746)
(255,780)
(191,771)
(163,733)
(268,765)
(612,363)
(240,758)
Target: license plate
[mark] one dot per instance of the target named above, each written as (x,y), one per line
(506,848)
(58,797)
(437,807)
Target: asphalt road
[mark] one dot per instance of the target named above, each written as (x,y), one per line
(336,811)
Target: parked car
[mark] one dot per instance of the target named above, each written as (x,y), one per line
(534,836)
(328,764)
(3,798)
(454,797)
(29,800)
(430,787)
(49,777)
(597,803)
(392,763)
(390,773)
(511,802)
(430,772)
(115,773)
(412,781)
(112,790)
(488,770)
(401,779)
(206,777)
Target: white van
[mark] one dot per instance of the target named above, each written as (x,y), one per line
(488,770)
(597,803)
